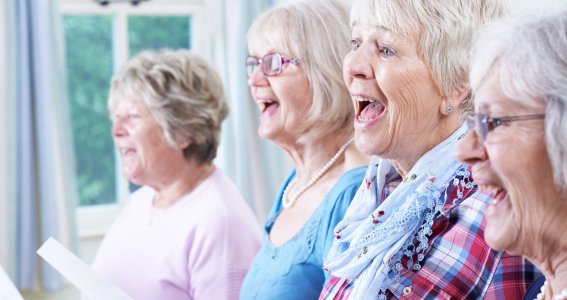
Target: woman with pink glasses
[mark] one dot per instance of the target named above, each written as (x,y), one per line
(294,70)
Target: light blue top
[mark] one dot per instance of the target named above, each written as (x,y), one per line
(294,270)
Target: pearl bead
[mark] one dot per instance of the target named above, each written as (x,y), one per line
(288,203)
(559,296)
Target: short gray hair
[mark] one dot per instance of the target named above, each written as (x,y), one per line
(182,92)
(316,32)
(530,55)
(444,28)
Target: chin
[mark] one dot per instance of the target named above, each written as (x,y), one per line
(133,178)
(367,143)
(266,133)
(501,238)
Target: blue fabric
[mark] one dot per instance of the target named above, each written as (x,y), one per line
(534,289)
(294,270)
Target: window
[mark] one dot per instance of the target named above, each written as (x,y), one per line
(98,40)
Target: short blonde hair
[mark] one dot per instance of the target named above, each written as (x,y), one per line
(444,28)
(316,32)
(182,92)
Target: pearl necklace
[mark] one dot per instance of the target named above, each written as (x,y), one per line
(560,296)
(288,203)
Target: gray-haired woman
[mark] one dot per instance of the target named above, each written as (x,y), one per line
(518,148)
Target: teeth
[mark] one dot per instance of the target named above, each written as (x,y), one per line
(263,104)
(361,98)
(264,101)
(492,188)
(124,151)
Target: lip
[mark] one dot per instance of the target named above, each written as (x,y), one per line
(126,150)
(361,101)
(498,194)
(266,104)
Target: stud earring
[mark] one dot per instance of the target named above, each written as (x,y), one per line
(449,109)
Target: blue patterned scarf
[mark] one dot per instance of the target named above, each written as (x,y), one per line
(374,236)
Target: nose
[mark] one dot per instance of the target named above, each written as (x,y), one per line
(356,64)
(118,129)
(470,150)
(257,78)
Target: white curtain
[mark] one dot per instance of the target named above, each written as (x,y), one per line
(258,167)
(6,232)
(41,192)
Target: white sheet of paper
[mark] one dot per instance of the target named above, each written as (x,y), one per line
(89,283)
(8,290)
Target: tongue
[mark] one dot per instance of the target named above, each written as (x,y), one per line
(372,110)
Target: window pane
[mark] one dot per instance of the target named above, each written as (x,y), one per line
(88,47)
(156,32)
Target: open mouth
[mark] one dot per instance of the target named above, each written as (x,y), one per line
(497,194)
(367,109)
(267,105)
(127,151)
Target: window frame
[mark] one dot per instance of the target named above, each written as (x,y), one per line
(95,220)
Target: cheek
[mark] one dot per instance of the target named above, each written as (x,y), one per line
(411,98)
(521,160)
(346,74)
(525,171)
(296,97)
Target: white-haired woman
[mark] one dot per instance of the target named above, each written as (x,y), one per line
(294,72)
(518,148)
(187,233)
(424,239)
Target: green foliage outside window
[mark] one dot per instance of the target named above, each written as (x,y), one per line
(88,50)
(172,32)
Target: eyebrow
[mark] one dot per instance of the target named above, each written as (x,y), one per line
(376,27)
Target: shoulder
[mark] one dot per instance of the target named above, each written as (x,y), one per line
(349,182)
(219,209)
(346,187)
(465,263)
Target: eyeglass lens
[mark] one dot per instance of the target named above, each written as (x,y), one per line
(270,64)
(479,123)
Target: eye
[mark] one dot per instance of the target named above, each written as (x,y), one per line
(386,51)
(355,44)
(133,116)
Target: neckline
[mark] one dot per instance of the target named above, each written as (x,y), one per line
(316,213)
(183,199)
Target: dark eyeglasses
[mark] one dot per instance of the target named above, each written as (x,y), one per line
(483,124)
(271,64)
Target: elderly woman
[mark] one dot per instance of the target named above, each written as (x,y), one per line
(294,73)
(187,233)
(421,239)
(518,149)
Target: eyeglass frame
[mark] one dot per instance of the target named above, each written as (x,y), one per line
(490,123)
(283,61)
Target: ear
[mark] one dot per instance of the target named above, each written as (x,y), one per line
(454,101)
(182,143)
